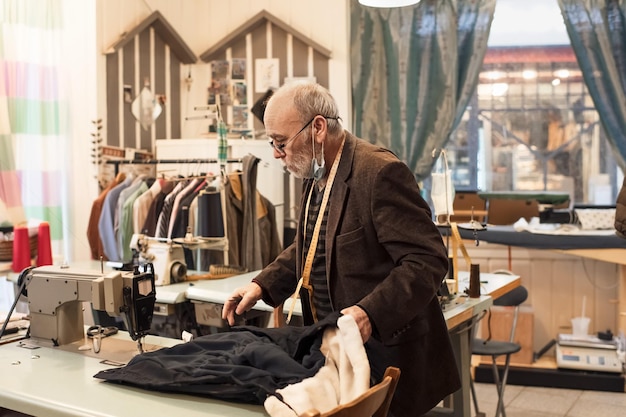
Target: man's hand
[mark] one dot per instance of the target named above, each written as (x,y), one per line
(240,301)
(362,320)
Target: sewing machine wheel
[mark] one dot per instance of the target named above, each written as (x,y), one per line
(20,280)
(178,272)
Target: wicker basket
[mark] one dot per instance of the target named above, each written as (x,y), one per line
(6,249)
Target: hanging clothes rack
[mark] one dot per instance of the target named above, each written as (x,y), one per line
(119,162)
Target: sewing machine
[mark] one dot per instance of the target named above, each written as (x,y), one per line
(55,295)
(166,255)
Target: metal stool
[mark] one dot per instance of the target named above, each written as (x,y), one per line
(495,348)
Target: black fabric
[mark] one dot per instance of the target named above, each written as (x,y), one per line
(244,365)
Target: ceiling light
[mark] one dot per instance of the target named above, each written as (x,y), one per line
(529,74)
(562,73)
(556,82)
(388,3)
(494,75)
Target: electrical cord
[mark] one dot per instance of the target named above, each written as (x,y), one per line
(22,283)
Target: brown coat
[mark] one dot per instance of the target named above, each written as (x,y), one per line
(93,235)
(384,253)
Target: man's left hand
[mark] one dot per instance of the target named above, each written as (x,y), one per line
(362,320)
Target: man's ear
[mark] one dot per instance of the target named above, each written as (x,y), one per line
(320,129)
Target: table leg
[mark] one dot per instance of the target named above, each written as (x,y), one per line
(461,400)
(621,306)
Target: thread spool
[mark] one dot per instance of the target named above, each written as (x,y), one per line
(21,249)
(474,282)
(44,248)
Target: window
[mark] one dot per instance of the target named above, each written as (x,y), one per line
(532,126)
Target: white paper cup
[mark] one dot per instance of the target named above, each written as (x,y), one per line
(580,326)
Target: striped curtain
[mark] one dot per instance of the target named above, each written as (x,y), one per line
(32,105)
(597,31)
(414,70)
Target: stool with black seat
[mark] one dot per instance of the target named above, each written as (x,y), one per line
(495,348)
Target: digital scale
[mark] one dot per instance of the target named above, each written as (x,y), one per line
(588,353)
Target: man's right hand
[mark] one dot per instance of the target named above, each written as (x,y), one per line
(240,301)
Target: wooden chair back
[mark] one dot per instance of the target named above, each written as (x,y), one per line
(374,402)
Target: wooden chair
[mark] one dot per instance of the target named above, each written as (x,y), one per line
(502,211)
(374,402)
(467,203)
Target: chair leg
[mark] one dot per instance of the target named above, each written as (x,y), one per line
(475,399)
(498,383)
(503,385)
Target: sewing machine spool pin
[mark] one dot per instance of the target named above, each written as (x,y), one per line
(474,229)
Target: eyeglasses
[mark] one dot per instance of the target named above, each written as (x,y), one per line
(280,146)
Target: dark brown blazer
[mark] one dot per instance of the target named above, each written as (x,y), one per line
(384,253)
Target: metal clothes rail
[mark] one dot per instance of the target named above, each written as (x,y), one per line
(119,162)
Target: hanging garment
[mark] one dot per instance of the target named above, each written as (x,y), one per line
(162,226)
(250,239)
(150,224)
(270,246)
(142,204)
(93,234)
(125,232)
(180,222)
(105,223)
(189,187)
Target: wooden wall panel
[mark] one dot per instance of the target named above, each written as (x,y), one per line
(279,50)
(556,284)
(300,58)
(320,69)
(174,100)
(145,52)
(128,76)
(160,73)
(114,90)
(259,50)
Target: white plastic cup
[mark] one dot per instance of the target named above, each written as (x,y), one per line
(580,326)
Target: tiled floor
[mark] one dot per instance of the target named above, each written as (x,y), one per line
(523,401)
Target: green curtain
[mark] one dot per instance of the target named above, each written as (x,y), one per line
(597,31)
(414,70)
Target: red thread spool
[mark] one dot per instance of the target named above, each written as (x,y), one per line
(44,248)
(21,249)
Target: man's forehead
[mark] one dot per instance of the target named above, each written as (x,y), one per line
(280,112)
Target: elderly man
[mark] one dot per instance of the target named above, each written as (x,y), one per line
(365,246)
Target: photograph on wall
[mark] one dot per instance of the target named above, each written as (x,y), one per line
(240,94)
(240,118)
(220,82)
(266,74)
(238,69)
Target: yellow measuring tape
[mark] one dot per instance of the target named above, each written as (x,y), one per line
(457,243)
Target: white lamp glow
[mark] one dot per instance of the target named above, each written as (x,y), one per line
(388,3)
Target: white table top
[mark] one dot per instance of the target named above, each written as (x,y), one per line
(50,382)
(55,382)
(216,291)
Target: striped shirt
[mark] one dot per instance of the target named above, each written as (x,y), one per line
(321,296)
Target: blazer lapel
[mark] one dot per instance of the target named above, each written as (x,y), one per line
(338,198)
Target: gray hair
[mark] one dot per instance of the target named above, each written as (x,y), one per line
(311,99)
